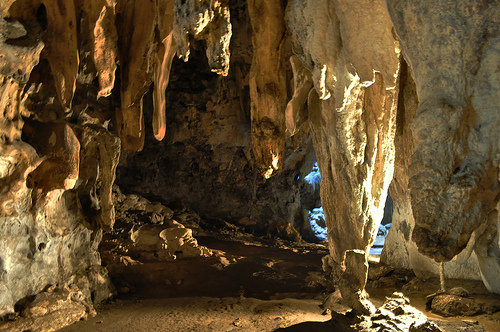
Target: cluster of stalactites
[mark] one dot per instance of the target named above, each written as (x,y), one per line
(142,36)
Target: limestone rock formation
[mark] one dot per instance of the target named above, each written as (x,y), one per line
(76,88)
(60,149)
(454,167)
(137,33)
(145,235)
(100,153)
(395,314)
(399,250)
(352,113)
(302,84)
(163,62)
(267,84)
(53,309)
(16,61)
(206,160)
(204,20)
(46,238)
(103,40)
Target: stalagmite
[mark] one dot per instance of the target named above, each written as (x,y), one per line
(267,84)
(352,113)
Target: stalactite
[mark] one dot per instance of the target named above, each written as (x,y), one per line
(267,84)
(164,56)
(104,38)
(62,47)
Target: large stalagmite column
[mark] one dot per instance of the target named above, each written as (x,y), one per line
(353,58)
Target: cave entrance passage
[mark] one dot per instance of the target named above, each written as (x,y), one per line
(315,217)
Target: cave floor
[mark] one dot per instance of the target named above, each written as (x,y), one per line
(253,285)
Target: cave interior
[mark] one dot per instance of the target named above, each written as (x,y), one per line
(249,165)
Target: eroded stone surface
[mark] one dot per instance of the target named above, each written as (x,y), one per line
(57,144)
(395,314)
(399,249)
(46,238)
(101,15)
(54,308)
(204,20)
(16,61)
(352,113)
(100,152)
(267,84)
(345,68)
(454,168)
(146,232)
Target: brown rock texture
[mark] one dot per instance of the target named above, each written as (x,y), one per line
(205,160)
(454,166)
(352,113)
(104,40)
(79,80)
(399,250)
(60,149)
(207,20)
(46,238)
(267,84)
(136,33)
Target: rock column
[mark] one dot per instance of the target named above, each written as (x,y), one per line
(353,58)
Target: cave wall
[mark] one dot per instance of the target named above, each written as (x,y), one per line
(72,93)
(206,160)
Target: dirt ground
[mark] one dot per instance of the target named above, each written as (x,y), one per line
(251,285)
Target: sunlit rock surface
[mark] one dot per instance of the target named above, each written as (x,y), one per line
(352,113)
(207,20)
